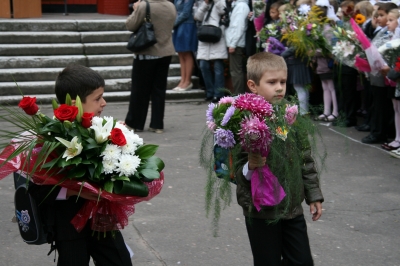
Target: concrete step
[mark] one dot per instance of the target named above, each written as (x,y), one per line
(46,74)
(46,87)
(63,37)
(61,25)
(122,96)
(64,60)
(63,49)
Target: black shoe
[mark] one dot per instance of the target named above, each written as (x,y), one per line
(207,99)
(215,100)
(364,128)
(371,139)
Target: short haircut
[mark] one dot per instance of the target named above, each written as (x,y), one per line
(395,12)
(260,63)
(364,8)
(387,7)
(77,80)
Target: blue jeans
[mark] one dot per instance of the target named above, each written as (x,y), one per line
(215,84)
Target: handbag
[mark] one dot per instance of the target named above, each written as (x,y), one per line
(209,33)
(144,37)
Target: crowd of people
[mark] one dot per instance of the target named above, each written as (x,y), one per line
(344,92)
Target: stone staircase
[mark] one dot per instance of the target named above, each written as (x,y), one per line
(33,52)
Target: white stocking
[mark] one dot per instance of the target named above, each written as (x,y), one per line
(329,97)
(302,94)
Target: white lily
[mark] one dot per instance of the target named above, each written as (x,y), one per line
(74,148)
(101,132)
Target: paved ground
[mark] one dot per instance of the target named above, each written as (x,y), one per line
(360,224)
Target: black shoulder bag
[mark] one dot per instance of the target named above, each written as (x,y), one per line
(144,37)
(209,33)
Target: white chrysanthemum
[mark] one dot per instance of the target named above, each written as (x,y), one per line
(136,139)
(111,153)
(127,165)
(130,147)
(109,166)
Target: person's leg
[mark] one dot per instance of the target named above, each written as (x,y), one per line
(265,241)
(296,246)
(219,79)
(349,99)
(109,250)
(329,98)
(140,94)
(188,65)
(73,252)
(380,116)
(303,95)
(181,56)
(158,91)
(207,78)
(396,106)
(236,70)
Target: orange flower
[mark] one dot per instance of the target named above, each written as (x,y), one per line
(359,19)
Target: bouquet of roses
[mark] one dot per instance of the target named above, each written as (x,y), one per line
(248,122)
(82,152)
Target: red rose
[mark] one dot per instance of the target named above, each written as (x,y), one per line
(87,119)
(117,137)
(28,104)
(66,112)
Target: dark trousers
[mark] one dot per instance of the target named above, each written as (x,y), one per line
(236,66)
(380,112)
(283,243)
(105,251)
(348,98)
(149,82)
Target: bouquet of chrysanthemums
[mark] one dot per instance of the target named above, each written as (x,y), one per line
(82,152)
(249,123)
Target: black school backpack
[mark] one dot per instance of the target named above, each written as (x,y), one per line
(34,221)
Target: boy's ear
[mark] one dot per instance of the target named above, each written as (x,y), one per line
(73,102)
(252,86)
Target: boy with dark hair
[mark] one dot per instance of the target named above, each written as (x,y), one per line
(62,204)
(278,234)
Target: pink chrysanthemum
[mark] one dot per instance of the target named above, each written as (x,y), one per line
(254,103)
(291,114)
(255,136)
(226,100)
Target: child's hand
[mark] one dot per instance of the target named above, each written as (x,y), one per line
(316,210)
(384,71)
(255,160)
